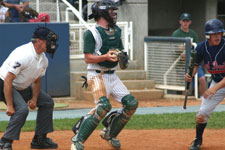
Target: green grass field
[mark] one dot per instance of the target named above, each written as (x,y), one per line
(150,121)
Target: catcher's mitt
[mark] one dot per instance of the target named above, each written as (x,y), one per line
(123,60)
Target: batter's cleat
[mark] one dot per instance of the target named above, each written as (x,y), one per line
(77,145)
(42,142)
(114,142)
(196,144)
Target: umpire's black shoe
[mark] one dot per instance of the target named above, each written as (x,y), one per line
(1,144)
(42,142)
(196,144)
(7,146)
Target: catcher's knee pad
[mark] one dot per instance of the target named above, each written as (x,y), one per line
(130,105)
(103,107)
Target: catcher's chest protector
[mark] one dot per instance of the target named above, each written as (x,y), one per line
(106,40)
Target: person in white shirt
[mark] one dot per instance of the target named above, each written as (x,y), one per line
(20,82)
(3,12)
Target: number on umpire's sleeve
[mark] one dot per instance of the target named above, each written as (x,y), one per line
(17,64)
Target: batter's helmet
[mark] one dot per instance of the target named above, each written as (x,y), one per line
(100,9)
(213,26)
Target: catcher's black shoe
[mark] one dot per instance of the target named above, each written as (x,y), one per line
(42,142)
(113,142)
(196,144)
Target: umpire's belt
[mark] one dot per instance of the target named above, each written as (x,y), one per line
(106,72)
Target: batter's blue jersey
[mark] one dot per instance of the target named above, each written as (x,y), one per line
(213,57)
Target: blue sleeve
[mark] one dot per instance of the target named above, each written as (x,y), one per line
(200,54)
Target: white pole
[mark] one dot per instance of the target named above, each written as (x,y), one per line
(126,38)
(80,9)
(37,5)
(146,55)
(131,41)
(57,10)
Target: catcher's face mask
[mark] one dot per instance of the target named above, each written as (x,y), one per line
(51,38)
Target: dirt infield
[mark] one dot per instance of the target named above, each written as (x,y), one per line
(135,140)
(172,139)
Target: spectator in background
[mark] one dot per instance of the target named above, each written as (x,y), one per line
(15,8)
(30,15)
(184,31)
(3,12)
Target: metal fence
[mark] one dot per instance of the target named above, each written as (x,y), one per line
(164,62)
(76,38)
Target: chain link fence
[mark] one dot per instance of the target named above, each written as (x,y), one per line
(165,61)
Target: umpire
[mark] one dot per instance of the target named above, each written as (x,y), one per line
(20,82)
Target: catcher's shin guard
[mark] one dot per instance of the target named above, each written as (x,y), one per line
(76,127)
(87,125)
(116,121)
(108,119)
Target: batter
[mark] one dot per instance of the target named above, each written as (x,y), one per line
(212,52)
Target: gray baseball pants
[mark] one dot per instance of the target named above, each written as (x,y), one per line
(44,123)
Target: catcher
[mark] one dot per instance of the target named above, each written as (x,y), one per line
(103,51)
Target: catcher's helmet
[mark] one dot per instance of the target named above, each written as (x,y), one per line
(100,9)
(44,33)
(213,26)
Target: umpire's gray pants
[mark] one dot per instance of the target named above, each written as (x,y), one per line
(44,122)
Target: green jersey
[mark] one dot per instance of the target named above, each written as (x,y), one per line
(180,33)
(100,41)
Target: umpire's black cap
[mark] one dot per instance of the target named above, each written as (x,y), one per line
(41,33)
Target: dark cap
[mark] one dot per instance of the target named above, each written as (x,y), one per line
(185,16)
(41,33)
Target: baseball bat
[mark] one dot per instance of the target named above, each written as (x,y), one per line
(190,71)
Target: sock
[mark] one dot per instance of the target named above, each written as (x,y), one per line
(200,129)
